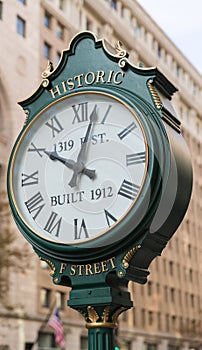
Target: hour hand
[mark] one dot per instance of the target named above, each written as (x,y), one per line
(71,164)
(54,156)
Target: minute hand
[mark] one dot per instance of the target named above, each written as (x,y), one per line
(81,158)
(82,152)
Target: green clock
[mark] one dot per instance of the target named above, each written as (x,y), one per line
(79,168)
(98,167)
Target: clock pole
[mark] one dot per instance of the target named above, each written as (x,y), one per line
(101,307)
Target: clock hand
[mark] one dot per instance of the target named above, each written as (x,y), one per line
(81,156)
(71,164)
(54,156)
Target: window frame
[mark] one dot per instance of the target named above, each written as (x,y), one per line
(20,26)
(46,50)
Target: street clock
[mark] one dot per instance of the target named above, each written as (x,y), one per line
(100,169)
(100,177)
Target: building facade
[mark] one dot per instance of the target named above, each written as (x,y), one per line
(167,311)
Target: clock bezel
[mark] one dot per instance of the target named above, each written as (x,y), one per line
(100,241)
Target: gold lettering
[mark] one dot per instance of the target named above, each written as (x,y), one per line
(80,267)
(92,78)
(70,83)
(73,270)
(97,268)
(100,76)
(62,267)
(64,86)
(110,76)
(104,266)
(79,79)
(56,91)
(89,269)
(111,260)
(115,77)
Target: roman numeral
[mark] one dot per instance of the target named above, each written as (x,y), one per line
(109,217)
(35,149)
(80,229)
(135,158)
(128,190)
(127,130)
(106,114)
(31,179)
(53,225)
(80,112)
(35,204)
(55,126)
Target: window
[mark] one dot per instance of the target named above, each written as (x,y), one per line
(150,346)
(21,24)
(46,341)
(149,288)
(60,300)
(46,50)
(172,294)
(89,25)
(150,317)
(47,19)
(164,266)
(193,89)
(1,10)
(143,317)
(192,300)
(29,346)
(137,30)
(166,293)
(159,320)
(171,267)
(22,2)
(84,343)
(173,322)
(167,323)
(60,31)
(191,275)
(134,316)
(61,4)
(158,50)
(45,297)
(126,346)
(114,4)
(177,70)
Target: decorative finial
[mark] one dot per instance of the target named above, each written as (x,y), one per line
(48,70)
(122,54)
(45,74)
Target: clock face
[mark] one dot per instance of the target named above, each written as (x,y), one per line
(79,168)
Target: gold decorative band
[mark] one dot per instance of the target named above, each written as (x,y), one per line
(155,96)
(100,325)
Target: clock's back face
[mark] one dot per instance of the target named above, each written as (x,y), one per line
(79,168)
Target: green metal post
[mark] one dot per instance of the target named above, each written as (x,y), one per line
(100,338)
(101,311)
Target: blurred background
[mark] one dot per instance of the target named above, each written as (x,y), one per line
(167,313)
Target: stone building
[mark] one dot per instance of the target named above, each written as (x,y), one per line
(168,309)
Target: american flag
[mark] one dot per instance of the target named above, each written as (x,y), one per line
(56,324)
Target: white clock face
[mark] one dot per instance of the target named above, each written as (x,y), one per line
(79,168)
